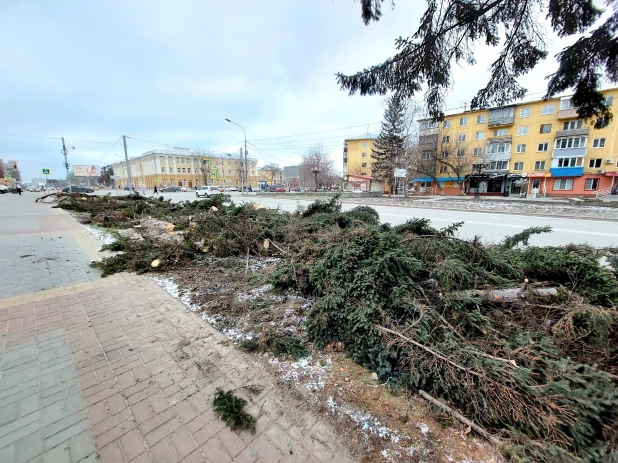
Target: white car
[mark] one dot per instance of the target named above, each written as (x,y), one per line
(233,188)
(207,191)
(4,189)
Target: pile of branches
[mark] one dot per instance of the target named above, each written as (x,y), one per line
(522,340)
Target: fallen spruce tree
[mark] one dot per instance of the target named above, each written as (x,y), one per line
(521,340)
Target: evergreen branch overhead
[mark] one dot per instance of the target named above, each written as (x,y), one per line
(450,30)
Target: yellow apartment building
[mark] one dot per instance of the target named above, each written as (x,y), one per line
(269,177)
(358,164)
(185,168)
(538,148)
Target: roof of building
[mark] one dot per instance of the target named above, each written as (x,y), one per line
(364,136)
(525,100)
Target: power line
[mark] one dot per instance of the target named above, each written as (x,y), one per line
(268,154)
(320,131)
(111,148)
(148,141)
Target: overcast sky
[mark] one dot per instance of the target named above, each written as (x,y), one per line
(171,72)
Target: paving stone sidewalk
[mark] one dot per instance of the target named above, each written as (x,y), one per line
(116,370)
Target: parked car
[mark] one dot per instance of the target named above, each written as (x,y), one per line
(207,191)
(297,189)
(78,189)
(170,189)
(233,188)
(184,189)
(281,189)
(126,188)
(3,189)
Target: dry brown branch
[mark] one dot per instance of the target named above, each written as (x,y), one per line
(494,440)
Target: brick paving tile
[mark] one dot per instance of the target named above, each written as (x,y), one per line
(91,369)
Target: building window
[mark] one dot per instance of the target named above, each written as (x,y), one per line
(518,166)
(427,155)
(563,184)
(478,151)
(609,100)
(461,153)
(598,143)
(567,143)
(595,163)
(446,139)
(461,137)
(497,165)
(177,170)
(569,162)
(539,165)
(162,170)
(498,148)
(524,112)
(548,109)
(545,128)
(591,184)
(425,184)
(364,155)
(443,169)
(521,148)
(501,132)
(188,170)
(164,182)
(364,164)
(572,125)
(463,121)
(480,119)
(479,135)
(522,131)
(444,154)
(364,144)
(446,124)
(542,147)
(184,170)
(229,172)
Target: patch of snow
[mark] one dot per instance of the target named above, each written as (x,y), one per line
(367,423)
(103,236)
(173,290)
(310,372)
(255,293)
(422,427)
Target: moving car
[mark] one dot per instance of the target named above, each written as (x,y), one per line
(3,189)
(207,191)
(170,189)
(281,189)
(78,189)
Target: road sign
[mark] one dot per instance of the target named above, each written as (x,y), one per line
(212,175)
(223,178)
(45,171)
(7,175)
(400,173)
(156,179)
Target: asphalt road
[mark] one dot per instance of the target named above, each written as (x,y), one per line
(489,225)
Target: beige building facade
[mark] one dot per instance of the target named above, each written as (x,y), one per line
(184,167)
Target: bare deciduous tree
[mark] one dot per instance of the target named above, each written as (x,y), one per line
(317,157)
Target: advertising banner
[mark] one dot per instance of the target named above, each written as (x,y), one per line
(86,171)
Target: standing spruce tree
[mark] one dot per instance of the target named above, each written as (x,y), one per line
(390,147)
(450,29)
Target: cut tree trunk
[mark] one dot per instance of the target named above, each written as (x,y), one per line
(511,294)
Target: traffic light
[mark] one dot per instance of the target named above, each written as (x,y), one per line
(15,165)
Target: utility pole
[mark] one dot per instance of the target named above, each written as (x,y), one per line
(242,168)
(66,164)
(246,166)
(126,158)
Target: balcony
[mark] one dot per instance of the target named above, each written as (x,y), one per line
(569,153)
(572,132)
(570,113)
(501,117)
(500,140)
(567,171)
(498,156)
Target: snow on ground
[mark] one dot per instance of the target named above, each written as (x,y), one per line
(173,290)
(104,237)
(310,372)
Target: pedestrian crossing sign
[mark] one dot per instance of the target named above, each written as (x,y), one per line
(45,171)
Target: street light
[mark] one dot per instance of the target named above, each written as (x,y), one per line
(243,167)
(316,171)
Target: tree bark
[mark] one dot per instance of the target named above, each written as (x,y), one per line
(511,294)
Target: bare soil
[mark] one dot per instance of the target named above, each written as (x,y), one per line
(380,423)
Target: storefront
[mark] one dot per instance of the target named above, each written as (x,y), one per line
(486,184)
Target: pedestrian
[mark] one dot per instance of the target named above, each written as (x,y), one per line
(19,189)
(143,189)
(155,190)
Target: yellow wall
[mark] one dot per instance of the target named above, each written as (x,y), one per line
(271,179)
(534,137)
(359,153)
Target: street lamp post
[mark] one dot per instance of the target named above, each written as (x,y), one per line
(243,175)
(316,171)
